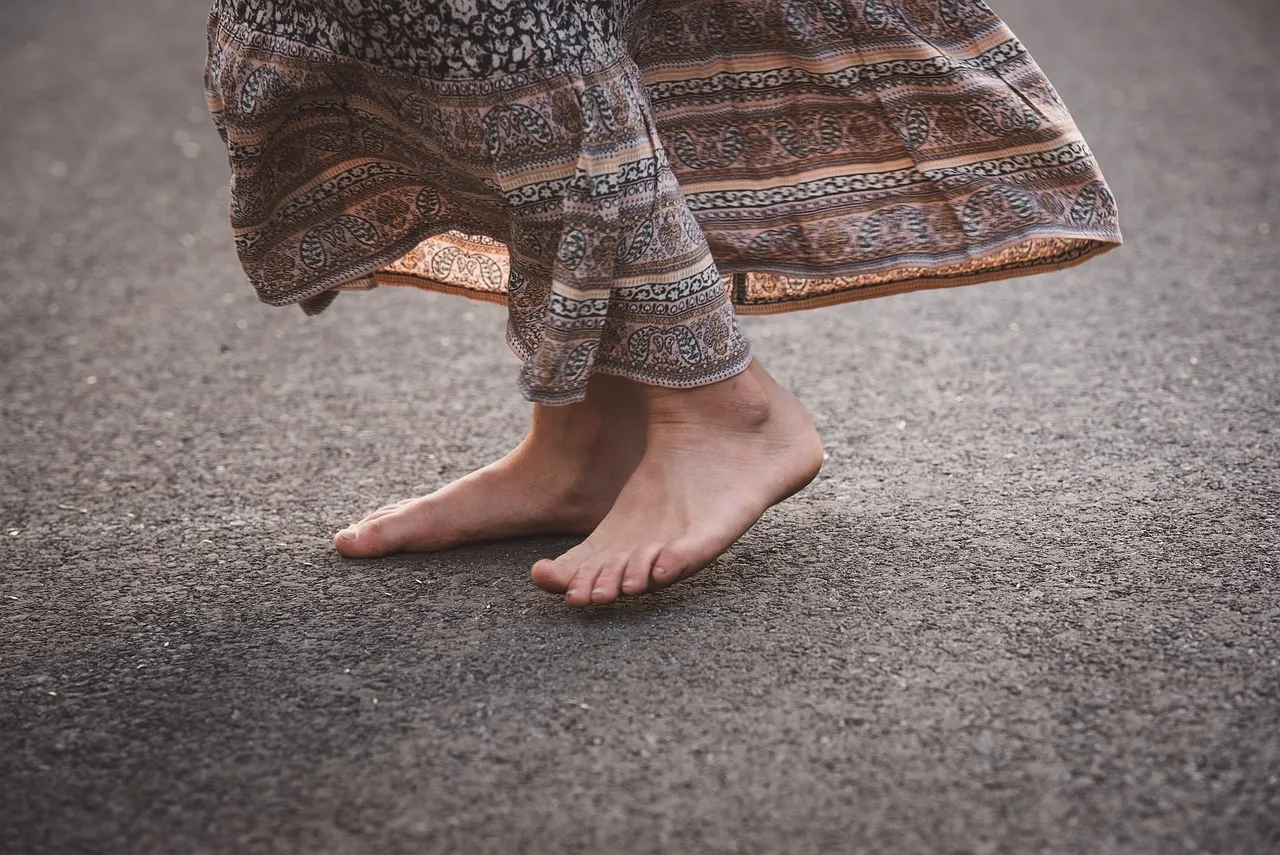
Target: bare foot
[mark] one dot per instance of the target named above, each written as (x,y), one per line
(562,479)
(716,458)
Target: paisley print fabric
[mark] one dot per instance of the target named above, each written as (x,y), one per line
(623,174)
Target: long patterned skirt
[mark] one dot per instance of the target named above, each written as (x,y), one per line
(627,175)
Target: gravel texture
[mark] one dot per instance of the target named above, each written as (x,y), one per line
(1032,604)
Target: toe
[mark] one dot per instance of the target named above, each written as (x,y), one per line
(550,576)
(344,541)
(362,540)
(554,576)
(672,564)
(609,583)
(635,578)
(583,584)
(370,539)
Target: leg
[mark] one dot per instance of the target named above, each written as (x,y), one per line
(716,457)
(562,479)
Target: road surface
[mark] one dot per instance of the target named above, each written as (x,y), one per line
(1032,604)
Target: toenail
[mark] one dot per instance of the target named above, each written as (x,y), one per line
(658,571)
(347,534)
(598,591)
(571,592)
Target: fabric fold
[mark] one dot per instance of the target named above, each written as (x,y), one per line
(633,290)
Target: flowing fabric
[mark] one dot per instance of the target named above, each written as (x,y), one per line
(624,174)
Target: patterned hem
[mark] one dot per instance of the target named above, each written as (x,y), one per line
(1022,258)
(629,372)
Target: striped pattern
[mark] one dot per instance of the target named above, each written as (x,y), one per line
(818,151)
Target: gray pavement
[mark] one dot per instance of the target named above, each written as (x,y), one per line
(1032,605)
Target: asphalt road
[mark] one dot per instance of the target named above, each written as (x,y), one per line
(1032,605)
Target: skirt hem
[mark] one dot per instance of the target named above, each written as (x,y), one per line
(371,268)
(574,396)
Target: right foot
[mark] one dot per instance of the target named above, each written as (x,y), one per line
(562,479)
(716,457)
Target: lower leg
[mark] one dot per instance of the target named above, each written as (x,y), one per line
(561,479)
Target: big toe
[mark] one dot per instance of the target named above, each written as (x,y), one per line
(678,560)
(370,538)
(553,576)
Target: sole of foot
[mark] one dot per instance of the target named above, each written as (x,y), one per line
(716,458)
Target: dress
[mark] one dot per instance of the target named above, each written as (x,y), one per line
(624,174)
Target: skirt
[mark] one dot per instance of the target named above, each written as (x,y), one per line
(627,176)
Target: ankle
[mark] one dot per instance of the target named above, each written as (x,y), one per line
(575,480)
(573,454)
(741,403)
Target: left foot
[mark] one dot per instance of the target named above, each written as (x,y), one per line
(562,479)
(716,458)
